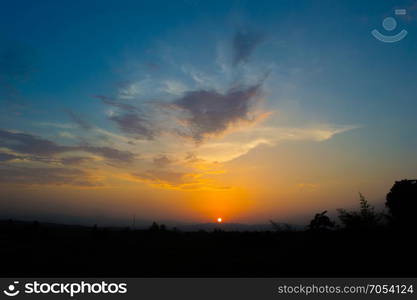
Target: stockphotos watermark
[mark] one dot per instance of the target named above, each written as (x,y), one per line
(72,289)
(390,24)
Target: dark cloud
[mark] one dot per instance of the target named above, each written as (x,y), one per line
(33,145)
(7,157)
(109,153)
(51,176)
(81,122)
(130,119)
(74,160)
(244,43)
(29,144)
(135,125)
(4,157)
(162,161)
(210,112)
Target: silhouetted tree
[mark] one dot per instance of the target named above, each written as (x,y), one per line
(364,219)
(321,222)
(154,227)
(402,202)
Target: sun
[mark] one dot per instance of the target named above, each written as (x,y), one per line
(219,220)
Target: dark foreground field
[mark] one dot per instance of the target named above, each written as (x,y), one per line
(36,249)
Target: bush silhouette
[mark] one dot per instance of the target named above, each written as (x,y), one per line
(366,218)
(402,202)
(154,227)
(321,222)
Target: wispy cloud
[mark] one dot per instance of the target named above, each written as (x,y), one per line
(163,177)
(46,176)
(117,104)
(162,161)
(136,125)
(178,180)
(29,144)
(7,157)
(244,43)
(79,120)
(241,142)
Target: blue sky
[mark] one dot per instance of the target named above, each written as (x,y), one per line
(78,46)
(215,81)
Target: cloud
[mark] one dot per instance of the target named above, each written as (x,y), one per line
(149,86)
(207,113)
(134,124)
(244,43)
(7,157)
(130,119)
(74,160)
(81,122)
(197,114)
(29,144)
(49,176)
(109,153)
(208,107)
(163,177)
(239,143)
(129,91)
(178,180)
(174,87)
(162,161)
(119,105)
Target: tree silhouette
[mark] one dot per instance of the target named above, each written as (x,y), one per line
(154,227)
(321,222)
(366,218)
(402,202)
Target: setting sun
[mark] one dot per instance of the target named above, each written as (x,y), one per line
(219,220)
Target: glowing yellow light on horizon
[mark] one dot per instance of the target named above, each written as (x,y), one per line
(219,220)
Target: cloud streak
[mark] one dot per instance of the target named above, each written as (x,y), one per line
(81,122)
(244,43)
(29,144)
(135,125)
(46,176)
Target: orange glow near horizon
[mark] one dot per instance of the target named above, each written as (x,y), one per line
(219,220)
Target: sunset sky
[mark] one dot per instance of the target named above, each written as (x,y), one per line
(187,111)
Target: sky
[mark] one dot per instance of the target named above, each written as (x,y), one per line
(190,110)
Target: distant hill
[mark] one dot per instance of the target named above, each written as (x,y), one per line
(171,225)
(236,227)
